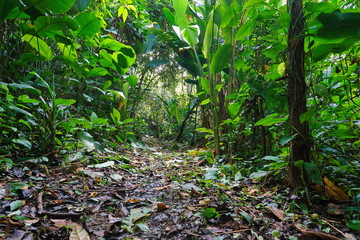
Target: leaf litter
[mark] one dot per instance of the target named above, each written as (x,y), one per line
(157,193)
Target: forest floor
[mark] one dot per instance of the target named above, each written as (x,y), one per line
(155,191)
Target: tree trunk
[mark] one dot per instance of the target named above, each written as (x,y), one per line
(300,146)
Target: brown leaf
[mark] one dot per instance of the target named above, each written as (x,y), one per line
(161,188)
(161,206)
(319,235)
(277,212)
(79,233)
(332,192)
(349,236)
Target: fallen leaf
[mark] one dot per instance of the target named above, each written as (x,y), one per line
(79,233)
(334,209)
(277,212)
(161,188)
(204,202)
(349,236)
(132,200)
(183,194)
(316,234)
(190,208)
(161,206)
(332,192)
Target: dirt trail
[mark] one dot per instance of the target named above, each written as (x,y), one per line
(155,191)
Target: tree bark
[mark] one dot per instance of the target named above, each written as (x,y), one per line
(300,146)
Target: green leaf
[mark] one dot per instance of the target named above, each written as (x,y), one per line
(286,140)
(206,101)
(254,3)
(270,120)
(6,6)
(53,6)
(247,217)
(354,224)
(23,141)
(180,7)
(45,24)
(205,130)
(132,80)
(209,213)
(65,102)
(21,111)
(307,116)
(221,58)
(323,48)
(345,133)
(313,171)
(245,30)
(115,116)
(234,109)
(89,23)
(97,71)
(169,16)
(208,36)
(143,227)
(82,5)
(191,35)
(87,140)
(112,44)
(16,204)
(40,45)
(212,174)
(205,84)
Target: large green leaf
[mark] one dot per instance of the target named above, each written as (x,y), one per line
(51,24)
(234,109)
(205,84)
(245,30)
(180,7)
(40,45)
(322,49)
(65,102)
(221,58)
(54,6)
(97,71)
(87,140)
(338,19)
(208,36)
(191,35)
(89,23)
(270,120)
(23,141)
(169,16)
(112,44)
(81,5)
(6,6)
(254,3)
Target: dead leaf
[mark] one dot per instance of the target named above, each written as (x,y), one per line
(349,236)
(162,206)
(161,188)
(334,209)
(190,208)
(332,192)
(79,233)
(204,202)
(319,235)
(132,200)
(183,194)
(277,212)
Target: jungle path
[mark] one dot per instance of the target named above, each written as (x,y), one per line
(153,191)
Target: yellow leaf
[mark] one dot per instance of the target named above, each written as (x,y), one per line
(332,192)
(125,14)
(121,10)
